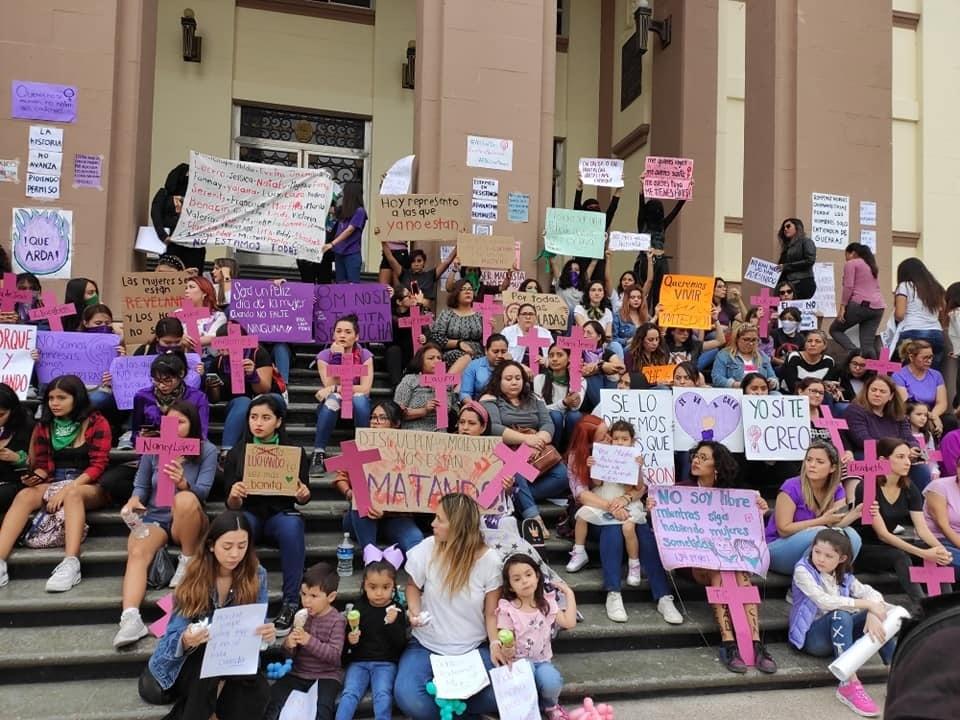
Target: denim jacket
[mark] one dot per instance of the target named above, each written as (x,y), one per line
(727,367)
(169,656)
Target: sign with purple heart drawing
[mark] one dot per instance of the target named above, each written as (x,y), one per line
(86,355)
(707,414)
(42,242)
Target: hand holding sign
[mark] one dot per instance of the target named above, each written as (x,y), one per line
(576,344)
(235,344)
(416,321)
(346,372)
(52,312)
(168,448)
(10,296)
(440,380)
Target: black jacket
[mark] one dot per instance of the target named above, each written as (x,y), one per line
(797,259)
(162,211)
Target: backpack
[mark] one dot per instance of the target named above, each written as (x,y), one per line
(49,530)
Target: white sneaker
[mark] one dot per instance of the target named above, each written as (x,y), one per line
(180,571)
(131,628)
(578,558)
(65,575)
(615,609)
(126,441)
(633,574)
(4,576)
(669,611)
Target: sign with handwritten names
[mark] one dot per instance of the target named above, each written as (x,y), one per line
(762,272)
(86,355)
(668,178)
(271,469)
(234,646)
(16,362)
(146,298)
(602,172)
(707,414)
(776,427)
(404,218)
(651,414)
(370,302)
(578,233)
(274,312)
(615,464)
(687,301)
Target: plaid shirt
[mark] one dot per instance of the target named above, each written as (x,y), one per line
(97,440)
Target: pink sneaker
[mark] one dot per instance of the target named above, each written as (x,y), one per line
(855,697)
(557,713)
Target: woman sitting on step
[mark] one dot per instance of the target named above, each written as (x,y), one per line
(16,427)
(183,521)
(69,451)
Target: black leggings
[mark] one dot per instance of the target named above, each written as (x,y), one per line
(884,558)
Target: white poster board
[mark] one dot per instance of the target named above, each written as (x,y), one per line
(776,427)
(762,272)
(651,414)
(830,227)
(707,414)
(234,647)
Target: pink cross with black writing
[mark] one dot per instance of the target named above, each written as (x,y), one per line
(933,576)
(833,425)
(871,468)
(736,597)
(515,462)
(577,344)
(52,312)
(351,461)
(416,321)
(884,365)
(10,296)
(440,380)
(168,447)
(234,345)
(488,308)
(534,343)
(769,303)
(189,314)
(346,372)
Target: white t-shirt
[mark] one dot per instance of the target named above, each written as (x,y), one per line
(457,623)
(918,316)
(513,332)
(606,319)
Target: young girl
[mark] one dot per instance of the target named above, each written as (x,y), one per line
(376,640)
(832,609)
(529,613)
(921,424)
(608,503)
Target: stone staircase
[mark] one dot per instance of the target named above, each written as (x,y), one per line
(57,661)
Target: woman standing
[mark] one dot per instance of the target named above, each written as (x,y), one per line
(458,331)
(861,302)
(570,283)
(919,300)
(351,217)
(16,427)
(224,271)
(418,401)
(740,357)
(797,257)
(652,218)
(917,381)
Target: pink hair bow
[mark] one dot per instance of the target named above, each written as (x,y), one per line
(393,555)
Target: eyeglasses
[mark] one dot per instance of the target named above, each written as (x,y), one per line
(168,380)
(785,293)
(925,358)
(703,457)
(811,391)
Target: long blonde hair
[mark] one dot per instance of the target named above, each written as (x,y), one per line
(809,498)
(464,544)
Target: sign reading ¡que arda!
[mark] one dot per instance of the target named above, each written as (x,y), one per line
(271,469)
(420,217)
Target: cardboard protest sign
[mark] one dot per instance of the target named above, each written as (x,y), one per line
(651,414)
(487,251)
(616,464)
(709,528)
(668,178)
(16,344)
(131,373)
(707,414)
(272,312)
(86,355)
(808,312)
(145,298)
(552,311)
(687,301)
(417,468)
(776,427)
(632,242)
(402,218)
(658,374)
(255,207)
(370,302)
(762,272)
(578,233)
(271,469)
(602,172)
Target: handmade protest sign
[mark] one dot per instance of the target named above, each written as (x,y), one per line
(490,153)
(830,221)
(687,301)
(86,355)
(883,365)
(516,691)
(668,178)
(832,425)
(440,380)
(762,272)
(271,469)
(416,321)
(518,207)
(88,171)
(168,447)
(10,295)
(577,344)
(707,414)
(255,207)
(808,312)
(651,414)
(353,462)
(159,627)
(616,464)
(485,201)
(602,172)
(552,311)
(871,469)
(776,427)
(659,374)
(534,345)
(633,242)
(43,101)
(235,344)
(42,242)
(189,315)
(417,468)
(299,704)
(933,576)
(826,294)
(516,461)
(736,597)
(274,312)
(131,373)
(578,233)
(370,302)
(146,298)
(52,311)
(16,363)
(404,218)
(398,178)
(458,677)
(488,308)
(234,646)
(347,372)
(489,251)
(766,302)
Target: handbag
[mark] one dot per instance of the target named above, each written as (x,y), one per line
(161,570)
(49,530)
(546,459)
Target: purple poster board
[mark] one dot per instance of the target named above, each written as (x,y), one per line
(369,301)
(86,355)
(272,312)
(709,528)
(132,373)
(43,101)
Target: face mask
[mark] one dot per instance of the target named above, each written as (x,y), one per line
(99,329)
(574,277)
(789,326)
(167,348)
(92,300)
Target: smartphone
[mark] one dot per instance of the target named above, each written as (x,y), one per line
(843,509)
(415,287)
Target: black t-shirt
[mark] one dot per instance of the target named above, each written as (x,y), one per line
(261,358)
(426,280)
(910,500)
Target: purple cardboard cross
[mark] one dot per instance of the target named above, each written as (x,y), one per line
(834,425)
(883,365)
(10,296)
(576,344)
(52,312)
(346,372)
(234,344)
(188,314)
(168,447)
(515,462)
(488,308)
(416,321)
(933,575)
(534,344)
(351,461)
(735,597)
(440,380)
(870,468)
(769,303)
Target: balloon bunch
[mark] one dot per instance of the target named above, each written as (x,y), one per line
(448,708)
(591,711)
(276,670)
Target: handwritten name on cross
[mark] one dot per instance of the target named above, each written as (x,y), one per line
(351,461)
(416,321)
(234,344)
(883,366)
(488,308)
(933,576)
(833,425)
(189,314)
(52,312)
(769,303)
(10,296)
(440,380)
(515,462)
(346,372)
(534,344)
(576,344)
(168,447)
(870,468)
(735,597)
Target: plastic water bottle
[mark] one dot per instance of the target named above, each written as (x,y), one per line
(138,528)
(345,557)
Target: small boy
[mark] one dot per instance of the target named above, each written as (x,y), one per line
(316,645)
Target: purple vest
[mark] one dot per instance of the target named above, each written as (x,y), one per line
(804,610)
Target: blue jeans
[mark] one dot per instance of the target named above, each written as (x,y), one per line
(611,558)
(348,267)
(410,688)
(616,348)
(402,531)
(563,424)
(836,631)
(281,358)
(705,361)
(378,676)
(285,530)
(934,337)
(786,552)
(549,683)
(954,550)
(551,484)
(327,419)
(235,424)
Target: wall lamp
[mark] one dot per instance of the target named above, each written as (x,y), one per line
(643,18)
(410,66)
(191,41)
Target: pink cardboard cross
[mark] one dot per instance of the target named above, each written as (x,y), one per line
(440,380)
(188,314)
(534,344)
(158,628)
(234,344)
(932,455)
(416,321)
(168,447)
(834,425)
(883,365)
(10,296)
(351,461)
(769,303)
(870,468)
(576,344)
(346,372)
(735,597)
(933,576)
(52,312)
(488,308)
(515,462)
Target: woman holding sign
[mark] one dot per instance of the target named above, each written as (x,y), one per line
(200,293)
(798,255)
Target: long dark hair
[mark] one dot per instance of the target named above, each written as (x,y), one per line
(351,202)
(416,363)
(190,412)
(953,296)
(565,282)
(11,403)
(797,224)
(546,391)
(928,289)
(866,254)
(604,302)
(839,541)
(660,356)
(539,595)
(652,217)
(73,386)
(493,387)
(393,411)
(277,407)
(73,294)
(724,464)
